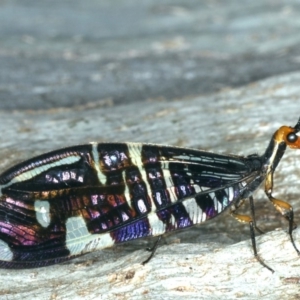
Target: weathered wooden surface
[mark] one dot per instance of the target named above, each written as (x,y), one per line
(178,271)
(203,265)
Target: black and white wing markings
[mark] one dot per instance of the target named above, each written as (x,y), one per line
(52,171)
(73,201)
(62,241)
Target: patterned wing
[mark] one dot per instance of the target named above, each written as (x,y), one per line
(76,200)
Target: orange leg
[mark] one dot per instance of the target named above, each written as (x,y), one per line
(283,207)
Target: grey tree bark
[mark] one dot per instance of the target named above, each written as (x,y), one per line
(207,262)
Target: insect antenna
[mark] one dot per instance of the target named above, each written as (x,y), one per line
(297,126)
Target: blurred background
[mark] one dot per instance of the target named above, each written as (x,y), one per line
(102,52)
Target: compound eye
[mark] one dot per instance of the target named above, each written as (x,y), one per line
(292,137)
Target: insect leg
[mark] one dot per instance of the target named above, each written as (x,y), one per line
(283,207)
(152,250)
(249,220)
(252,210)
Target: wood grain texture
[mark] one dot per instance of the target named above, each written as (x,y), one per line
(207,263)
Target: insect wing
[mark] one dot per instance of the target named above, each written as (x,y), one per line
(76,200)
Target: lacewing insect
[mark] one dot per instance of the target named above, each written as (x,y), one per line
(72,201)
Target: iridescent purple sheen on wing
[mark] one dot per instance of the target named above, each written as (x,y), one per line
(175,217)
(206,204)
(210,212)
(132,231)
(181,216)
(79,199)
